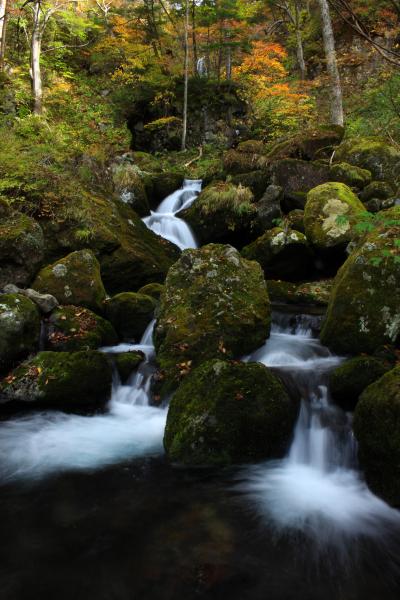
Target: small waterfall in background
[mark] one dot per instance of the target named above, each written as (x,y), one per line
(201,67)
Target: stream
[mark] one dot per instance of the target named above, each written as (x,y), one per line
(90,508)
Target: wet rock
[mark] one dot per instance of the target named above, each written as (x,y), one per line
(314,293)
(229,412)
(46,302)
(130,313)
(74,328)
(19,328)
(152,289)
(127,363)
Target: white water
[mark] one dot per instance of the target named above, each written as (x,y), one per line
(317,489)
(42,443)
(164,221)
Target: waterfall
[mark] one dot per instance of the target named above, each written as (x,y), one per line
(316,489)
(201,67)
(164,221)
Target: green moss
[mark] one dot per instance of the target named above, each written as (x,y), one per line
(315,293)
(295,220)
(19,328)
(126,363)
(154,290)
(353,176)
(60,379)
(214,305)
(377,189)
(130,313)
(308,145)
(248,156)
(256,181)
(73,328)
(229,412)
(129,184)
(377,429)
(147,162)
(380,158)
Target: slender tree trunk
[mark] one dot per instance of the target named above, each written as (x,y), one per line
(194,40)
(36,46)
(186,77)
(3,25)
(228,63)
(331,63)
(299,43)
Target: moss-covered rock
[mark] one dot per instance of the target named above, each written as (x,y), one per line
(256,181)
(147,162)
(127,363)
(74,279)
(164,184)
(331,212)
(159,135)
(311,144)
(380,158)
(154,290)
(21,247)
(353,176)
(215,305)
(377,429)
(248,156)
(381,190)
(130,313)
(19,328)
(349,380)
(297,178)
(221,213)
(73,328)
(364,309)
(60,380)
(229,412)
(295,220)
(129,185)
(314,293)
(281,253)
(269,208)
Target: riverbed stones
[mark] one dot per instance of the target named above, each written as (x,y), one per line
(74,279)
(215,305)
(228,412)
(74,328)
(130,313)
(19,328)
(60,380)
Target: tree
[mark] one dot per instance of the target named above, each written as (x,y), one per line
(186,77)
(3,25)
(336,100)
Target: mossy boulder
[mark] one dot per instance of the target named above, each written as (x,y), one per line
(349,380)
(317,142)
(147,162)
(330,213)
(74,279)
(297,178)
(21,247)
(215,305)
(364,309)
(314,293)
(222,212)
(60,380)
(295,220)
(229,412)
(73,328)
(377,429)
(256,181)
(154,290)
(129,185)
(281,253)
(130,313)
(159,135)
(126,363)
(164,184)
(353,176)
(381,190)
(380,158)
(19,328)
(247,156)
(269,208)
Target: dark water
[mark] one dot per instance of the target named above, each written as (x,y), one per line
(147,530)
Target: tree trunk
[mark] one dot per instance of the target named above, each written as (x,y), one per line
(331,64)
(3,24)
(194,40)
(36,46)
(299,43)
(186,76)
(228,63)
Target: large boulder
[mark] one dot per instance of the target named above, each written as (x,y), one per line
(281,253)
(313,293)
(353,176)
(73,328)
(364,309)
(126,363)
(247,156)
(317,142)
(159,135)
(377,429)
(21,247)
(129,185)
(19,328)
(60,380)
(152,289)
(380,158)
(130,313)
(222,212)
(256,181)
(229,412)
(215,304)
(297,178)
(74,279)
(269,208)
(331,212)
(45,302)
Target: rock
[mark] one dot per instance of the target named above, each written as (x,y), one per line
(147,162)
(281,254)
(152,289)
(248,156)
(73,328)
(256,181)
(127,363)
(380,158)
(269,208)
(164,184)
(297,178)
(229,412)
(159,135)
(221,213)
(314,293)
(380,190)
(330,214)
(129,185)
(130,313)
(46,302)
(349,380)
(351,175)
(364,309)
(375,205)
(19,328)
(295,220)
(311,144)
(215,304)
(60,380)
(74,279)
(21,247)
(377,429)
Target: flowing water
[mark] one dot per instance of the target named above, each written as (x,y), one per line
(90,508)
